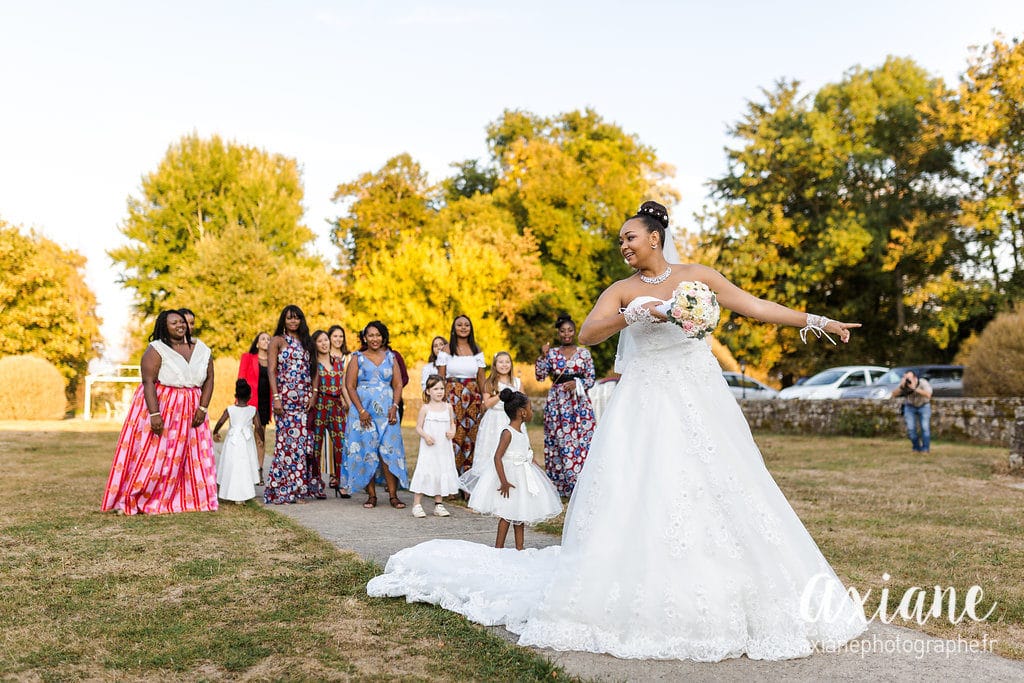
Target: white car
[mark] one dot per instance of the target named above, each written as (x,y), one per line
(831,383)
(744,387)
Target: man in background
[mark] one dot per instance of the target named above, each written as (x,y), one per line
(917,409)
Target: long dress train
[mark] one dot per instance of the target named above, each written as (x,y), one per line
(677,542)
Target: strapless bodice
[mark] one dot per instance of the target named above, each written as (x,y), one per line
(655,337)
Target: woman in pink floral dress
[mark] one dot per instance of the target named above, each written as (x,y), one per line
(164,457)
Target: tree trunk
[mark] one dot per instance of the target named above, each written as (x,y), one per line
(901,314)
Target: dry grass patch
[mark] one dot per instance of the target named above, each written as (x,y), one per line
(240,593)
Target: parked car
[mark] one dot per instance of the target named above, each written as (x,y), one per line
(830,383)
(946,380)
(748,388)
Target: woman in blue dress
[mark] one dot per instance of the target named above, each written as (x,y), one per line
(374,452)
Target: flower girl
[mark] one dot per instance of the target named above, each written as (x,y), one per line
(435,473)
(515,490)
(494,418)
(237,466)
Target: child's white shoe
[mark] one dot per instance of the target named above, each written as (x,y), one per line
(417,511)
(440,511)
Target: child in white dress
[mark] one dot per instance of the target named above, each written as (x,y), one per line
(238,466)
(494,418)
(515,490)
(435,473)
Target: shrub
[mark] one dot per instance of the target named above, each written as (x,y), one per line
(994,365)
(31,389)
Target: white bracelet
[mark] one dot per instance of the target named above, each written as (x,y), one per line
(816,324)
(637,314)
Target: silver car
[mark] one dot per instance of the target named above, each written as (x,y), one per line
(946,380)
(743,387)
(831,383)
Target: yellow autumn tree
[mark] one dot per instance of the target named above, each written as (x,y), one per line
(46,307)
(470,260)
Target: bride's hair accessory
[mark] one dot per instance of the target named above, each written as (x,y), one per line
(657,279)
(636,314)
(655,210)
(654,216)
(816,324)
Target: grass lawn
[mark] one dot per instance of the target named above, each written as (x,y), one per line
(246,593)
(242,592)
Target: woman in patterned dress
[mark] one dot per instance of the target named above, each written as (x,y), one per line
(293,476)
(328,415)
(462,368)
(164,457)
(568,415)
(374,452)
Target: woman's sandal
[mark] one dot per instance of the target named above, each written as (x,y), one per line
(397,503)
(371,502)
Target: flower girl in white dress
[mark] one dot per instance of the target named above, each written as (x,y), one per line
(494,418)
(515,489)
(435,473)
(238,466)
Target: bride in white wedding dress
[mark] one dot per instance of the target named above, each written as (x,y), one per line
(677,542)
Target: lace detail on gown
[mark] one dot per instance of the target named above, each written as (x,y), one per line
(677,542)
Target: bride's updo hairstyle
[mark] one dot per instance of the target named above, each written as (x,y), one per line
(654,216)
(514,402)
(564,318)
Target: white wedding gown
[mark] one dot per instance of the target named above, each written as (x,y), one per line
(677,542)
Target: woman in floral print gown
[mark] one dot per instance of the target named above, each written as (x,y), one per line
(568,414)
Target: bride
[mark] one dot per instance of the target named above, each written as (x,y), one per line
(677,543)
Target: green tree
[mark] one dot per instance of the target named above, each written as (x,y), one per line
(204,187)
(840,203)
(572,180)
(238,286)
(381,207)
(46,307)
(985,117)
(469,259)
(552,196)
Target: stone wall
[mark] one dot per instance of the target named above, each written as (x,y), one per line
(1017,442)
(979,420)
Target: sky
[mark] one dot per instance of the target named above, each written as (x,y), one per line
(93,94)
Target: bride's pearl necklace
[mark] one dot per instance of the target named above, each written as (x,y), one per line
(657,279)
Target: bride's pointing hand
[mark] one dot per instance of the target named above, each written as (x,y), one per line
(841,329)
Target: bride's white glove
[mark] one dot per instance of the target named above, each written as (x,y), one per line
(658,309)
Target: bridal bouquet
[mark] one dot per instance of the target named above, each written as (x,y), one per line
(694,307)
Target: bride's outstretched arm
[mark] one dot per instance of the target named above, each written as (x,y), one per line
(604,319)
(735,299)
